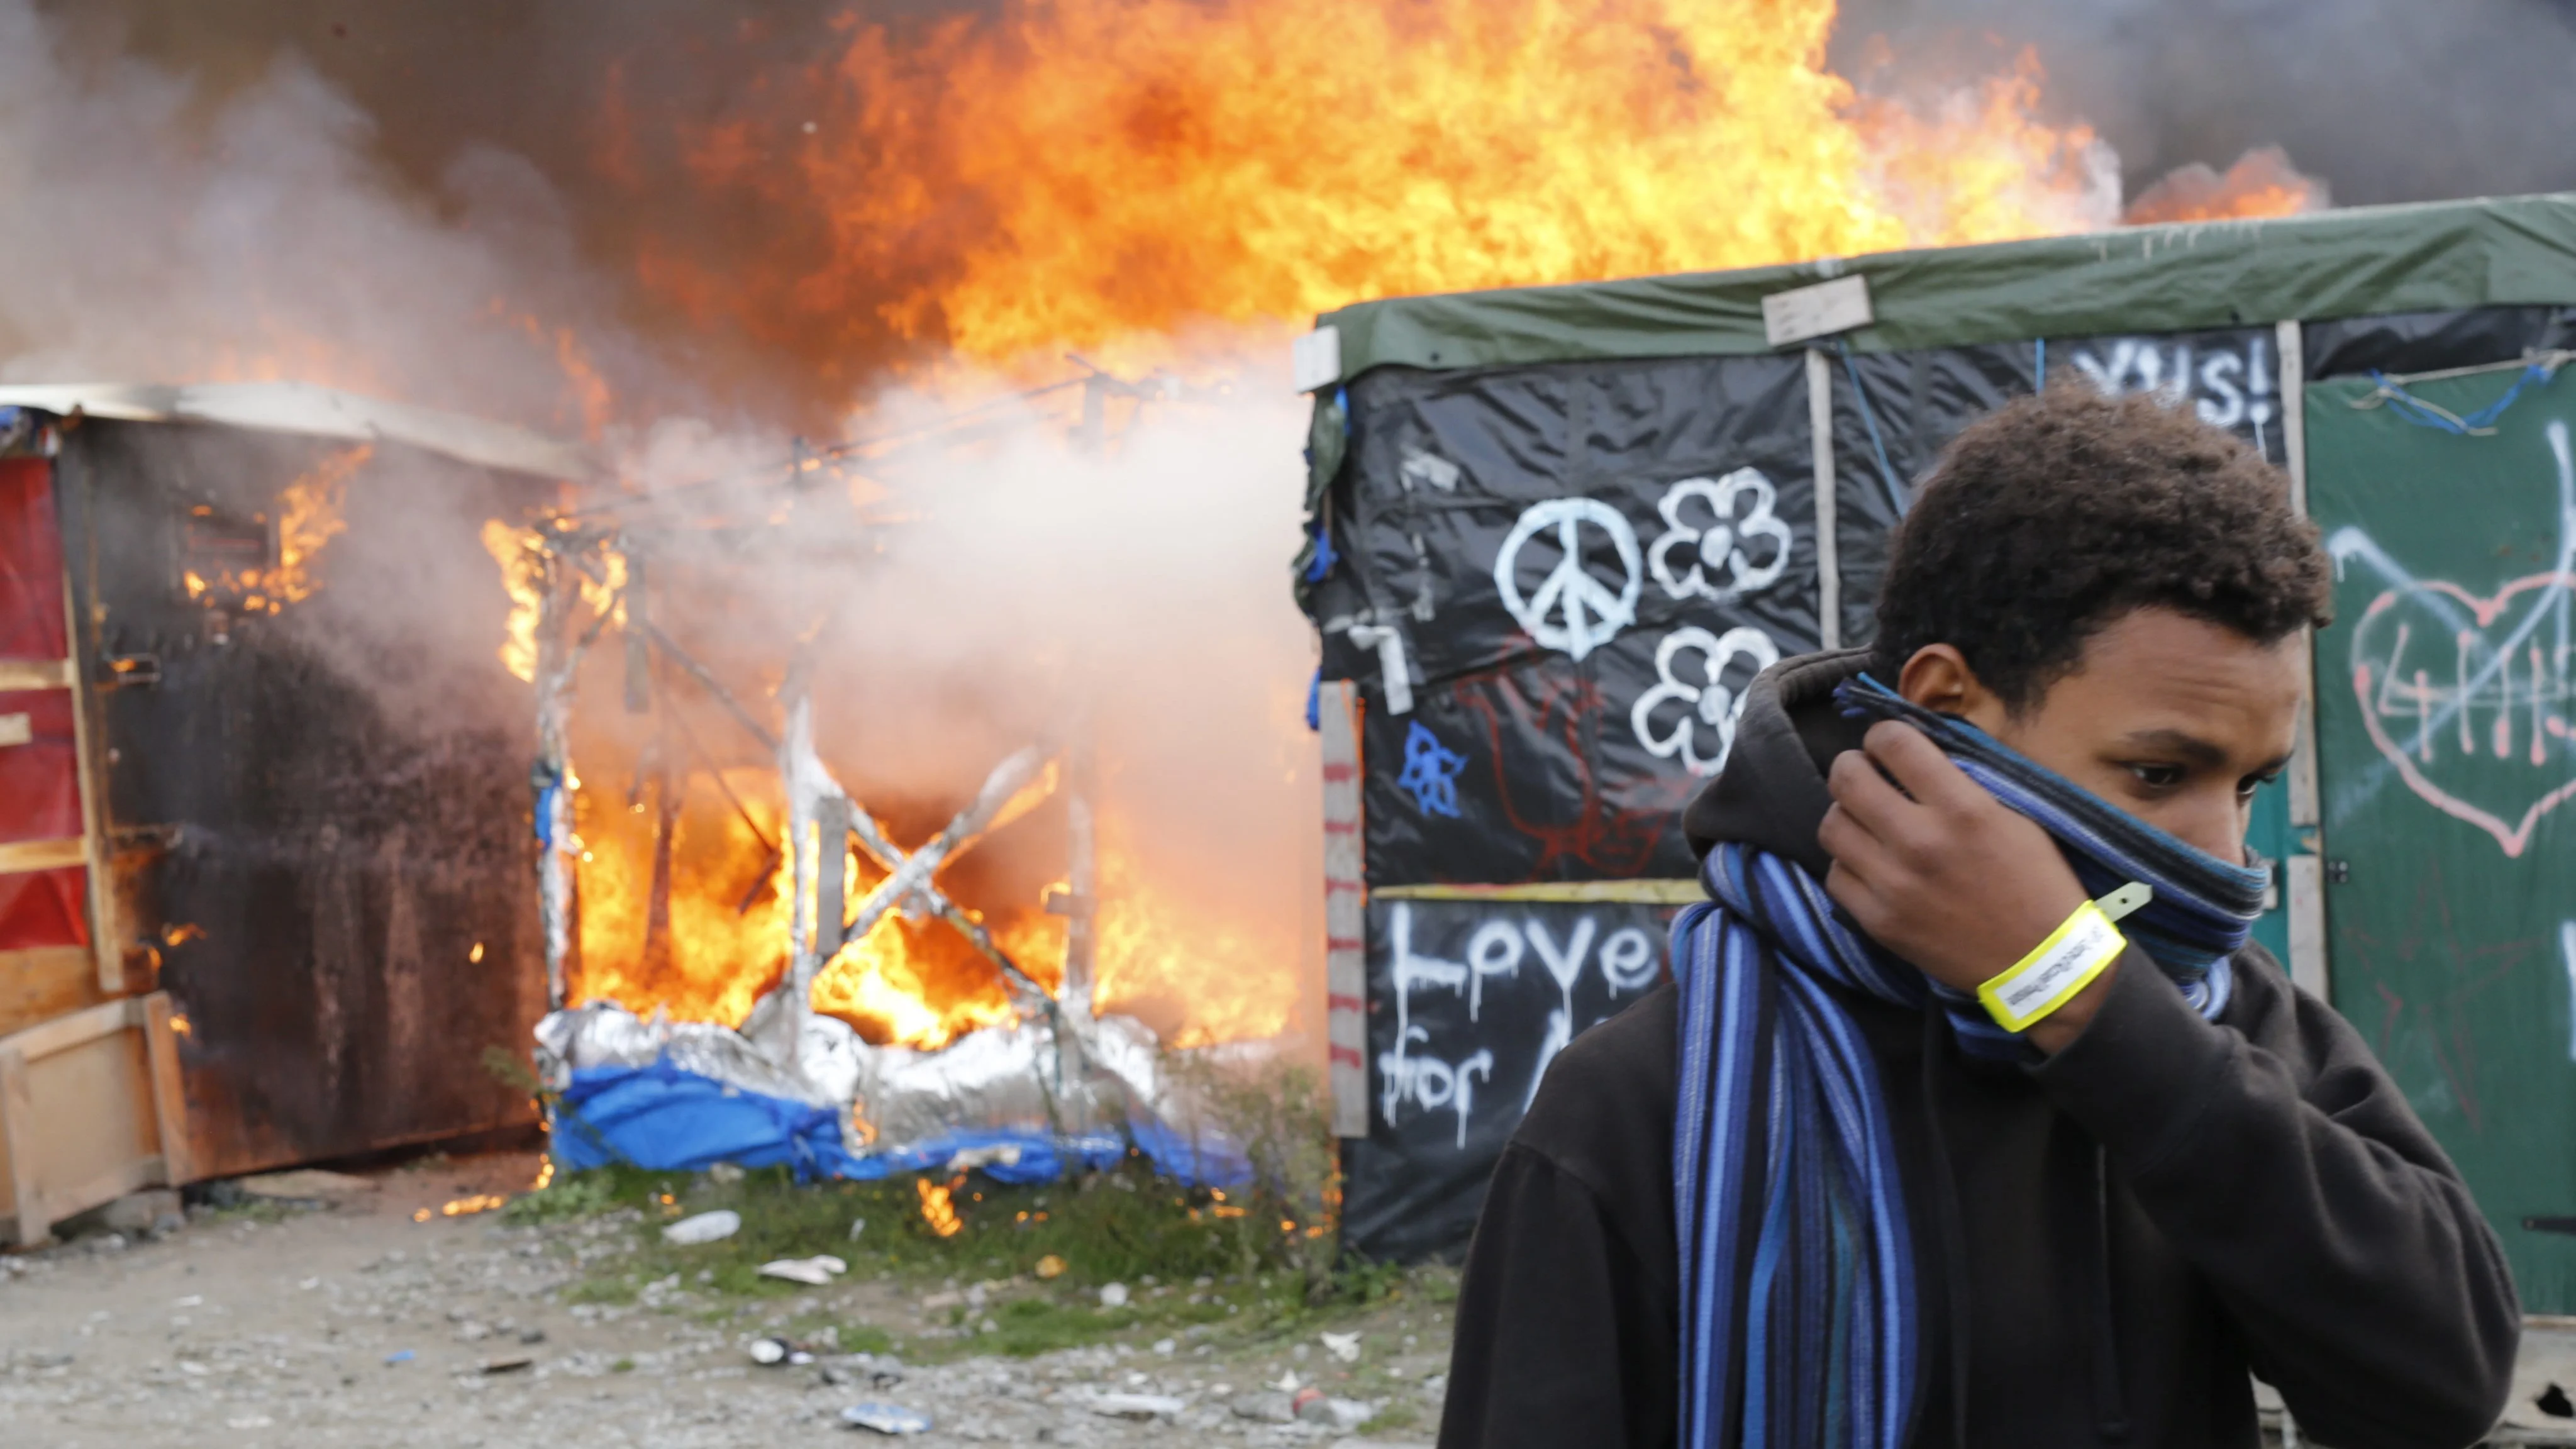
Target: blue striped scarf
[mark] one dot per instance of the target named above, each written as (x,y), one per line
(1797,1270)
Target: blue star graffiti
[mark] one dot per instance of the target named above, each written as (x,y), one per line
(1431,772)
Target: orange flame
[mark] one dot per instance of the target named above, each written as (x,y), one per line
(2261,183)
(519,553)
(1077,172)
(937,1209)
(309,517)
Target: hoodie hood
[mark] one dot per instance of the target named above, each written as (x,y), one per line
(1771,792)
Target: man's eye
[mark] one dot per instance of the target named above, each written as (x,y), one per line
(2158,777)
(2246,787)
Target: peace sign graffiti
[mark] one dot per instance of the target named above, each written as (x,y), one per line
(1727,542)
(1586,614)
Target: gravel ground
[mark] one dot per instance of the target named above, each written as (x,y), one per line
(358,1325)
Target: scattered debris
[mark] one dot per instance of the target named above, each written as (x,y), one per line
(1048,1267)
(711,1227)
(886,1418)
(1137,1406)
(817,1271)
(305,1184)
(724,1174)
(857,1226)
(1113,1295)
(1005,1154)
(770,1352)
(397,1356)
(507,1365)
(1313,1406)
(1343,1346)
(1267,1407)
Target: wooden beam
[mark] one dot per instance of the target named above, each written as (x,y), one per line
(65,1032)
(1820,429)
(106,936)
(17,1132)
(17,674)
(1638,892)
(42,983)
(24,855)
(169,1100)
(1345,909)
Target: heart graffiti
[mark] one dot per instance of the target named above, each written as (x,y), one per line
(2478,727)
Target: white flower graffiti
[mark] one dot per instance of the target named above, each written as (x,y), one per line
(1727,555)
(1711,701)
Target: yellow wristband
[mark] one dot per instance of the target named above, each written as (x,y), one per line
(2055,969)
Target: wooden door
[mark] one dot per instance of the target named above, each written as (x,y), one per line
(89,1084)
(2447,751)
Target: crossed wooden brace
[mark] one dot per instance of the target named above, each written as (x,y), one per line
(1014,787)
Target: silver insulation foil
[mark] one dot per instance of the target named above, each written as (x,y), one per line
(1056,1077)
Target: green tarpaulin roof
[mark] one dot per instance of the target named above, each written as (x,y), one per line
(2349,263)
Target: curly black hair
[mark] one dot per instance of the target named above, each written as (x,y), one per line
(2055,514)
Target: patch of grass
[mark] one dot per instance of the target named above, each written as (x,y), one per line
(622,1366)
(618,1288)
(844,1335)
(1032,1326)
(573,1195)
(1397,1415)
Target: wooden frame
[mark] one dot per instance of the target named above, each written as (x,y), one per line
(2309,966)
(49,1181)
(1345,909)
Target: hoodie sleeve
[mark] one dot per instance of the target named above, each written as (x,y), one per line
(1562,1338)
(2277,1158)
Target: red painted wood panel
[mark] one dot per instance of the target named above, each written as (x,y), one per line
(44,908)
(31,562)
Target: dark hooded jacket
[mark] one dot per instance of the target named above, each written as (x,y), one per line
(2107,1242)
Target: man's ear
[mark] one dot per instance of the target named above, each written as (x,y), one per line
(1938,678)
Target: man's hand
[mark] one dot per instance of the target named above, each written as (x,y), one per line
(1950,879)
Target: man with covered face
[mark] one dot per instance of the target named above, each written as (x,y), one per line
(1971,1117)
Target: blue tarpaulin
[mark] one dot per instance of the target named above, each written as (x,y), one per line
(667,1119)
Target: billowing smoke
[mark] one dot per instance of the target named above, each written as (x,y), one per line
(2384,101)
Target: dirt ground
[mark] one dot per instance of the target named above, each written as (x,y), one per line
(358,1325)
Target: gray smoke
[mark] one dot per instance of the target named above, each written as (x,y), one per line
(2385,101)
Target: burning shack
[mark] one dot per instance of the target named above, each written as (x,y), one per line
(1555,531)
(260,840)
(802,905)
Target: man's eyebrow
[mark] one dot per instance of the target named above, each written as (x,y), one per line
(2190,747)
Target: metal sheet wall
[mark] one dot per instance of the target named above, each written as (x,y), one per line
(322,848)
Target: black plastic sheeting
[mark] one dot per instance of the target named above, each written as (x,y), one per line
(1568,554)
(1468,1001)
(1543,748)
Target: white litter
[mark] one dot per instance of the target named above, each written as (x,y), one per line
(1136,1406)
(886,1418)
(817,1271)
(711,1227)
(1343,1346)
(1113,1295)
